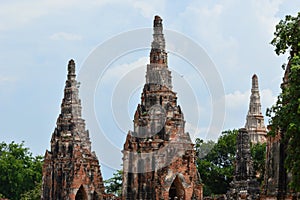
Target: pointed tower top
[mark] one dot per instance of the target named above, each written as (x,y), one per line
(255,106)
(70,122)
(255,120)
(71,70)
(254,82)
(158,72)
(158,36)
(157,21)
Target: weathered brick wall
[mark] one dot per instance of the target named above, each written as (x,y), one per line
(158,155)
(71,167)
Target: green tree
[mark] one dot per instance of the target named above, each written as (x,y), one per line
(285,114)
(258,153)
(34,194)
(114,184)
(19,170)
(216,168)
(203,148)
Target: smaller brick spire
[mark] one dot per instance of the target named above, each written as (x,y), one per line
(69,122)
(71,170)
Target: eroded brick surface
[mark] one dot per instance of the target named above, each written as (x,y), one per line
(244,184)
(71,170)
(158,155)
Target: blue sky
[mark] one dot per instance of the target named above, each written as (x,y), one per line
(39,37)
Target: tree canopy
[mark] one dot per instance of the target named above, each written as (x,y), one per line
(285,114)
(216,167)
(258,154)
(114,184)
(20,171)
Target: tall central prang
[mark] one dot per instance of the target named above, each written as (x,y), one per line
(158,155)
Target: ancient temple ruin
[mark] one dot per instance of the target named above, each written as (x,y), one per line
(255,125)
(244,184)
(276,178)
(71,170)
(158,155)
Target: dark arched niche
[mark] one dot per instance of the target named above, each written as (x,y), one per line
(176,190)
(81,194)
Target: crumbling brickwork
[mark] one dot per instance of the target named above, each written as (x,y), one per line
(277,179)
(158,155)
(244,184)
(71,170)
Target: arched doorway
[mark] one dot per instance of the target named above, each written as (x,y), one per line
(95,196)
(81,194)
(176,190)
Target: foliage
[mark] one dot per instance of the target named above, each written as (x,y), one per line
(216,168)
(34,194)
(114,184)
(285,114)
(258,153)
(287,35)
(203,148)
(19,170)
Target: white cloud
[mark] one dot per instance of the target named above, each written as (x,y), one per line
(265,12)
(234,101)
(267,99)
(116,73)
(239,100)
(149,8)
(206,24)
(196,131)
(203,132)
(18,13)
(237,105)
(7,80)
(65,36)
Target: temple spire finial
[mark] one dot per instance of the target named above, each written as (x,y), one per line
(157,71)
(254,82)
(157,26)
(158,46)
(71,70)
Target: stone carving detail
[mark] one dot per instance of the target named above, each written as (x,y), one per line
(158,155)
(244,184)
(71,170)
(255,121)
